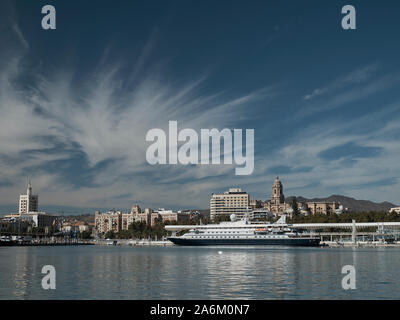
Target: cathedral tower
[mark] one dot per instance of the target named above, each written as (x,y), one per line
(277,193)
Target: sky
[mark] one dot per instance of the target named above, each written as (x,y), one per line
(76,102)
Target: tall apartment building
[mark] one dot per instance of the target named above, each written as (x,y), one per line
(28,202)
(116,221)
(170,216)
(235,201)
(151,217)
(109,221)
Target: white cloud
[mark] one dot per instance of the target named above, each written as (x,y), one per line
(108,121)
(355,77)
(108,116)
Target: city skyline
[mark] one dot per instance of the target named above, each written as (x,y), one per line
(5,209)
(323,101)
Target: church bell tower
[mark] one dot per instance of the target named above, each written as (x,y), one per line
(277,192)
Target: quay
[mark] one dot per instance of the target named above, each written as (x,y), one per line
(42,244)
(133,243)
(375,244)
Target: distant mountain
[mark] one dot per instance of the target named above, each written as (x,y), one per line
(352,204)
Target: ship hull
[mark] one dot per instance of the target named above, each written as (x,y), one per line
(300,242)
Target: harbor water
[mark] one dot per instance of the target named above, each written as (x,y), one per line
(123,272)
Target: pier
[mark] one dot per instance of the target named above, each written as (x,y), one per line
(42,244)
(133,243)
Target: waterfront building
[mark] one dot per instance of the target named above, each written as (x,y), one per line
(15,225)
(69,227)
(172,217)
(36,219)
(4,225)
(161,215)
(109,221)
(40,219)
(29,214)
(126,220)
(144,216)
(116,221)
(322,207)
(83,228)
(235,201)
(28,202)
(396,210)
(78,226)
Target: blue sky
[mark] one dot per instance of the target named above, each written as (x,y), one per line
(76,102)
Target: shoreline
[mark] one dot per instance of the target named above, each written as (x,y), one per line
(167,243)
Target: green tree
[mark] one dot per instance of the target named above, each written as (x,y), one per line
(109,235)
(295,207)
(85,235)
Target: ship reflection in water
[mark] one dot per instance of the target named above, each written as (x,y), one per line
(242,272)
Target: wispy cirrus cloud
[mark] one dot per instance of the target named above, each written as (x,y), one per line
(355,77)
(82,141)
(79,131)
(348,90)
(347,157)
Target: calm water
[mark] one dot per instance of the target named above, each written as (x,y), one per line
(198,273)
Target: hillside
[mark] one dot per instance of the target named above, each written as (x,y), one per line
(352,204)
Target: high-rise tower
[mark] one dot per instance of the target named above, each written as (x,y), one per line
(28,202)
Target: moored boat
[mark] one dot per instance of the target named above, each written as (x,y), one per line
(243,232)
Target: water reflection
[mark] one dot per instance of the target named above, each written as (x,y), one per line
(198,273)
(20,278)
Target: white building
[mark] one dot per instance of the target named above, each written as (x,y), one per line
(235,201)
(396,209)
(37,219)
(28,202)
(40,219)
